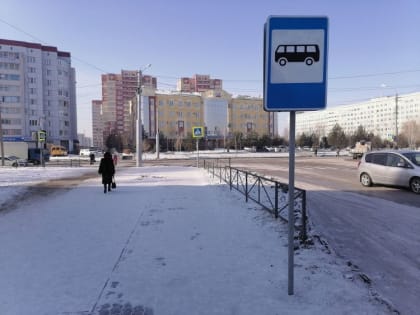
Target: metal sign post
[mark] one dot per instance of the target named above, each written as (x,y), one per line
(41,140)
(295,79)
(198,154)
(197,132)
(291,220)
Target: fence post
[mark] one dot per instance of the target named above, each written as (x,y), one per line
(276,200)
(246,186)
(304,218)
(213,168)
(230,176)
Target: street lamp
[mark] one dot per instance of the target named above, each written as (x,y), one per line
(157,131)
(139,134)
(1,135)
(396,113)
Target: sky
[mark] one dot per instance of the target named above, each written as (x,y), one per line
(153,243)
(373,45)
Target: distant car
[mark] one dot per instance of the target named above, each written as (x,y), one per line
(14,161)
(84,152)
(393,168)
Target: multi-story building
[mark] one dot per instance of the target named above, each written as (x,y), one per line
(383,116)
(97,124)
(247,115)
(84,141)
(216,110)
(175,113)
(38,92)
(118,94)
(198,83)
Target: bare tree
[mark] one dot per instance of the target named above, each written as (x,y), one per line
(411,131)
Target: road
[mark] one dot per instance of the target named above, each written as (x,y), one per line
(374,229)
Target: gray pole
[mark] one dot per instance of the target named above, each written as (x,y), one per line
(396,118)
(1,136)
(157,132)
(291,200)
(196,145)
(139,134)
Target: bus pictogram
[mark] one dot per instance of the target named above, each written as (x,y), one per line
(296,53)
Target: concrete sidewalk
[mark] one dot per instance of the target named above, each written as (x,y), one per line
(166,241)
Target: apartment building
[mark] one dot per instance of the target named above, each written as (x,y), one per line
(117,114)
(97,124)
(384,116)
(38,92)
(198,83)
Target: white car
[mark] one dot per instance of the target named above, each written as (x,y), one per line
(14,161)
(394,168)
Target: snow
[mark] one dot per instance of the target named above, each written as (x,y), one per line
(169,239)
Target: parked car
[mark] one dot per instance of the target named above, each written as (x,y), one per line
(394,168)
(14,161)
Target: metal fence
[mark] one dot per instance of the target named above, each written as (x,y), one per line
(270,194)
(71,162)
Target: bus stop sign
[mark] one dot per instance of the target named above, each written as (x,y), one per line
(295,63)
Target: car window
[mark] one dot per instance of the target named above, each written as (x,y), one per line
(394,160)
(379,158)
(413,157)
(368,158)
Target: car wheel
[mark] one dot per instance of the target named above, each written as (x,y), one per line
(309,61)
(365,180)
(15,164)
(282,61)
(415,185)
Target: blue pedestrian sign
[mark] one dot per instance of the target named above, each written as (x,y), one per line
(295,63)
(198,132)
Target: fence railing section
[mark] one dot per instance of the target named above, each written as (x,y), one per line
(272,195)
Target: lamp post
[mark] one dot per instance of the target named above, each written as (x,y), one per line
(396,113)
(1,142)
(1,135)
(139,134)
(157,131)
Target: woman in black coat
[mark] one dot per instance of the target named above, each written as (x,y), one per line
(107,170)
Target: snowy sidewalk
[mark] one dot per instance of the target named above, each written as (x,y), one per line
(167,241)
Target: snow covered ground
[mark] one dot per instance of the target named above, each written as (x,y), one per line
(168,240)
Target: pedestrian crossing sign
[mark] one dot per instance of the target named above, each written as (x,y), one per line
(197,132)
(41,135)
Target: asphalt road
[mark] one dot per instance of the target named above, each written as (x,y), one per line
(375,228)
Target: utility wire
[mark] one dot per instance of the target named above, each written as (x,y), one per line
(224,80)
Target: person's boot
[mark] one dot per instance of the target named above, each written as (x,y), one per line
(109,187)
(104,189)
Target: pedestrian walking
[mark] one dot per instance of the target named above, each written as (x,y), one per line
(107,170)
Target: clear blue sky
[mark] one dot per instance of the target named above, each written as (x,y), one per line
(374,45)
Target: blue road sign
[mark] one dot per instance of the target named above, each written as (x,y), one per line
(295,63)
(14,139)
(198,132)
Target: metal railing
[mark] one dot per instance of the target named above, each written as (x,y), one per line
(270,194)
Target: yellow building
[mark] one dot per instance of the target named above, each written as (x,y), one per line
(216,110)
(247,115)
(177,113)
